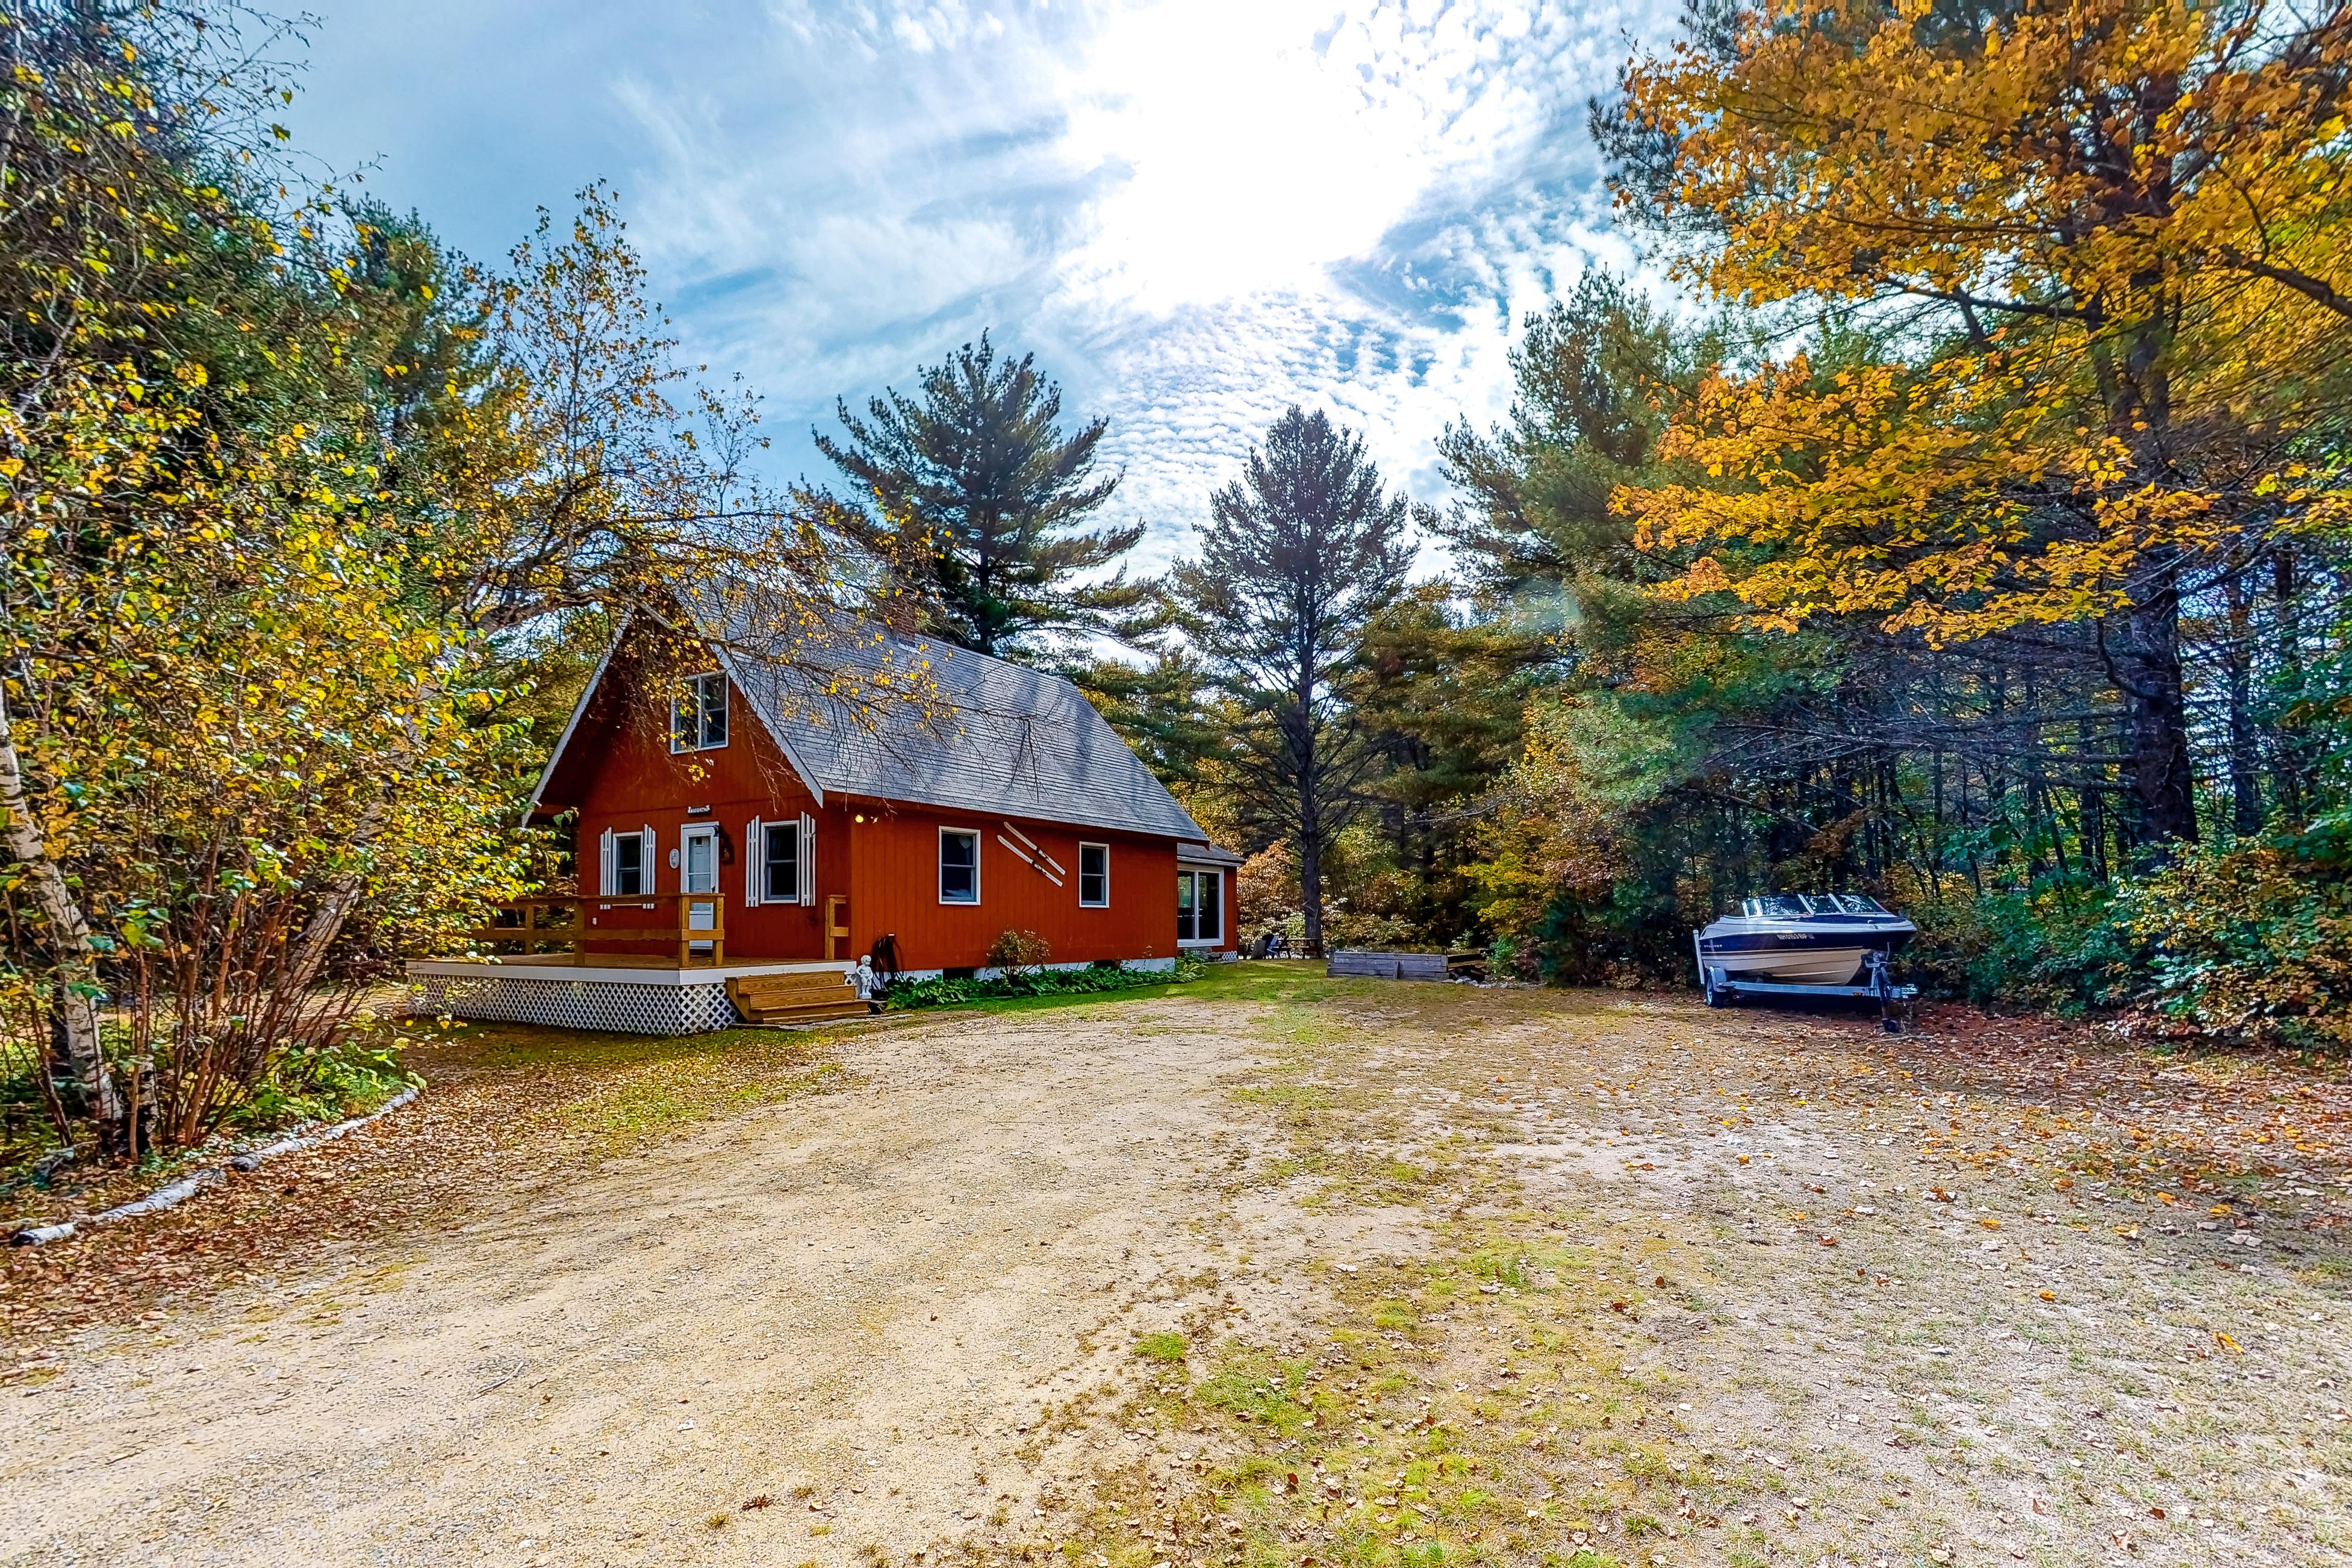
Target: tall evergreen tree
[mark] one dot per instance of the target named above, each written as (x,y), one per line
(1442,693)
(970,497)
(1303,550)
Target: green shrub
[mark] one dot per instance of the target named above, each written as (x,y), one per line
(2253,941)
(2064,945)
(323,1084)
(1099,977)
(1018,951)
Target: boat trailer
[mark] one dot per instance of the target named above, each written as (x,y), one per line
(1723,990)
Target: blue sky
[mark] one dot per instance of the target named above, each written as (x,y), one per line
(1194,213)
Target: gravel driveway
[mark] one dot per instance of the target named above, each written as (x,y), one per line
(1269,1269)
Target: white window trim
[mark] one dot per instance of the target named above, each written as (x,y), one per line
(726,698)
(939,865)
(808,861)
(755,856)
(1083,903)
(608,868)
(755,873)
(1222,919)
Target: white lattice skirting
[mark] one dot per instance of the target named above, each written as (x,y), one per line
(621,1007)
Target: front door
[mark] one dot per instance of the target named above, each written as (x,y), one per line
(699,873)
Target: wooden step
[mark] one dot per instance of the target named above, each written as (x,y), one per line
(794,995)
(817,983)
(798,996)
(769,1001)
(778,1002)
(807,1013)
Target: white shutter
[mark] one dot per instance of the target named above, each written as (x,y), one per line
(755,856)
(808,859)
(649,872)
(604,863)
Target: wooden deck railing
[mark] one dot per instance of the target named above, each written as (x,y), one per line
(569,931)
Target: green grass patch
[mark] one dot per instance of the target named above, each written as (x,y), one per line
(1295,1097)
(1257,1386)
(1503,1267)
(1161,1347)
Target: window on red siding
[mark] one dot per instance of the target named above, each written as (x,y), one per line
(780,862)
(628,864)
(697,715)
(959,865)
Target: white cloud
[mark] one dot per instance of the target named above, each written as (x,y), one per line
(1355,216)
(1196,212)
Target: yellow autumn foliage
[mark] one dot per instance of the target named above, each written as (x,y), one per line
(2107,238)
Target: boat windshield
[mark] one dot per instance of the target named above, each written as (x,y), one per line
(1776,906)
(1794,906)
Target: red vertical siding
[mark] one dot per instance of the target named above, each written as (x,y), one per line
(634,781)
(894,889)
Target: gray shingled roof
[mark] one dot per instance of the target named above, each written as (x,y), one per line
(984,736)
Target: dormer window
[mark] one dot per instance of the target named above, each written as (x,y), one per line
(697,715)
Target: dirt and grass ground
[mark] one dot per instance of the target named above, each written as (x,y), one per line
(1267,1269)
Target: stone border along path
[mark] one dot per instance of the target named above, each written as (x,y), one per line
(177,1193)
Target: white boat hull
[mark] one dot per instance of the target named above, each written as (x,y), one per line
(1808,949)
(1793,966)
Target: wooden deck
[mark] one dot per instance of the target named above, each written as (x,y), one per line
(690,927)
(628,966)
(633,993)
(620,961)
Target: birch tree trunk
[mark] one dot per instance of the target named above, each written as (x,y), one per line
(74,1018)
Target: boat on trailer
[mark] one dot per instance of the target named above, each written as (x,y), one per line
(1804,944)
(1803,939)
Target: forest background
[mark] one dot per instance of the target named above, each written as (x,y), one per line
(1964,524)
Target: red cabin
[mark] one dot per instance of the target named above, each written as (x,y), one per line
(742,840)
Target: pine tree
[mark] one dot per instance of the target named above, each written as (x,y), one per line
(971,498)
(1303,552)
